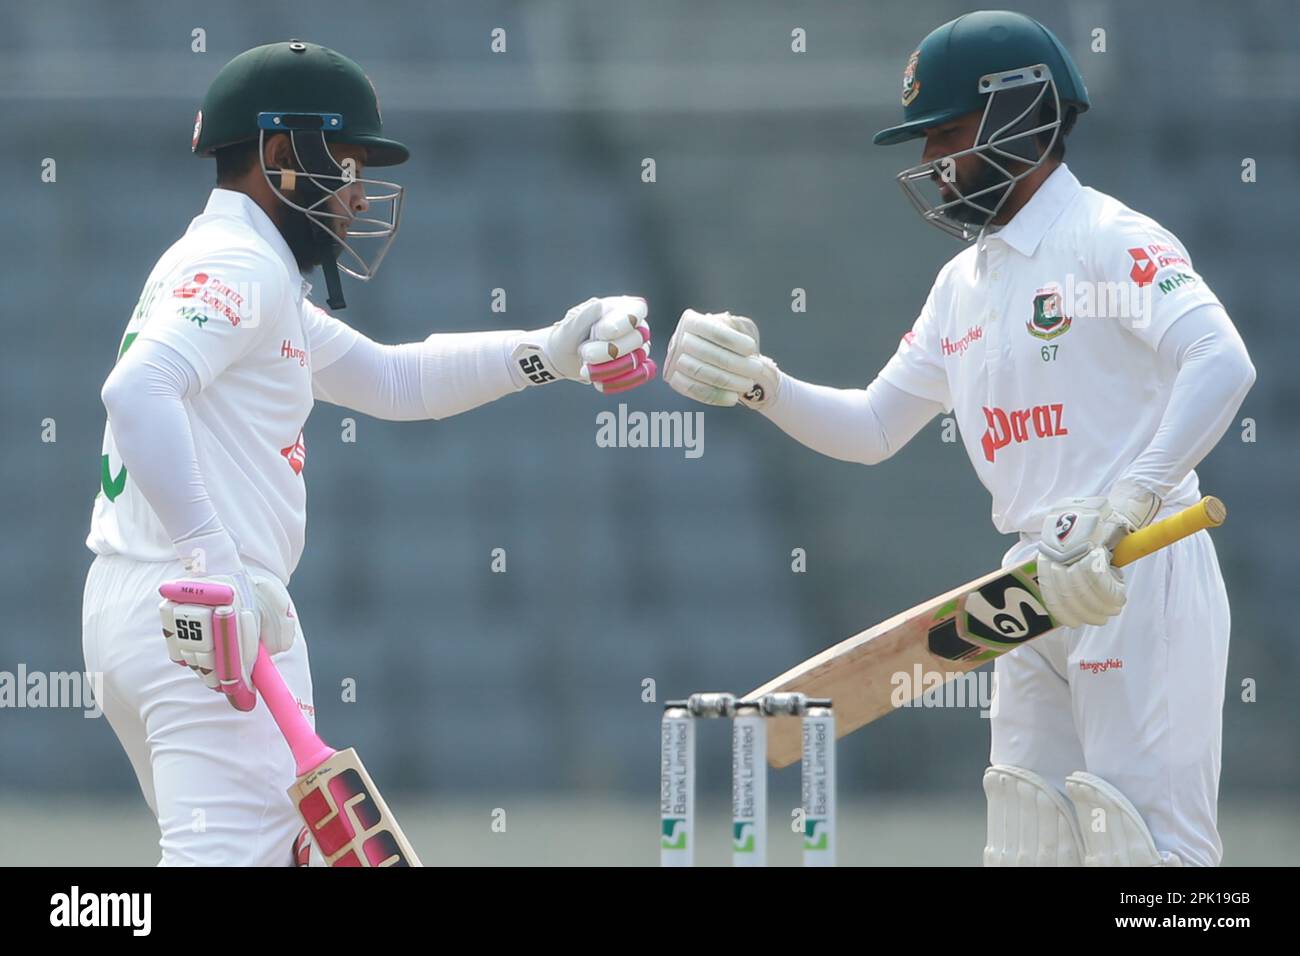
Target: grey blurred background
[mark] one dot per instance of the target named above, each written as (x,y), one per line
(524,691)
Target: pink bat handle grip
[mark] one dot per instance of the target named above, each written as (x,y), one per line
(309,751)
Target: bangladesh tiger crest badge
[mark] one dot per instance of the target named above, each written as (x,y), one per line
(911,85)
(1049,319)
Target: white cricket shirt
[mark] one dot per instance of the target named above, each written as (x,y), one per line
(1041,337)
(229,298)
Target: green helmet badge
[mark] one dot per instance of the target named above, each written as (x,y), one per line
(911,85)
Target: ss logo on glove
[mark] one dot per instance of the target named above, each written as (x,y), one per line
(535,369)
(189,629)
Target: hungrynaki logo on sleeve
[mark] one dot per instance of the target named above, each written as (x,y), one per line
(911,85)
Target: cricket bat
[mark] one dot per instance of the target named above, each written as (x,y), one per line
(347,816)
(873,673)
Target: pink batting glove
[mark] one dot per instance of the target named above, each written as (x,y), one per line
(627,371)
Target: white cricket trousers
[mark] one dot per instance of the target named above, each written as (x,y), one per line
(1137,701)
(215,778)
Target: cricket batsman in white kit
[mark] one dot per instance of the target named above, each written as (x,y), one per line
(203,466)
(1089,368)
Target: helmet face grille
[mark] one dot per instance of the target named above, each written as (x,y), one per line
(326,193)
(1008,141)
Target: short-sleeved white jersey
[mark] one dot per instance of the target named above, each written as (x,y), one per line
(228,297)
(1041,337)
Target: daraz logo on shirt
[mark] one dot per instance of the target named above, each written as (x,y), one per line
(1020,425)
(296,455)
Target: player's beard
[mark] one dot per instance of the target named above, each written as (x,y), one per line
(987,178)
(308,242)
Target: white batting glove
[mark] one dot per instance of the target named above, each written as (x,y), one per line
(603,342)
(714,358)
(1079,584)
(263,613)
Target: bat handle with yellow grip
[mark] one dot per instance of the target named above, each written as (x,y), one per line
(1209,512)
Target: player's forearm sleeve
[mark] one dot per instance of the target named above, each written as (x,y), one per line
(1214,373)
(861,425)
(145,398)
(446,374)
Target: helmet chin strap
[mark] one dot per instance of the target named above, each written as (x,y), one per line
(329,266)
(314,157)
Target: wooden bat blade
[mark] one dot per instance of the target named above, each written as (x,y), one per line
(877,671)
(858,674)
(348,817)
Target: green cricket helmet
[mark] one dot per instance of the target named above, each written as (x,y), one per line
(316,96)
(1012,70)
